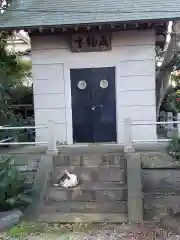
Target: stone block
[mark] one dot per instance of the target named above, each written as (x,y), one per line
(86,207)
(83,194)
(93,174)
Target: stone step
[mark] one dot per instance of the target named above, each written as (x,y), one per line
(83,217)
(90,148)
(93,174)
(95,159)
(52,207)
(87,185)
(82,193)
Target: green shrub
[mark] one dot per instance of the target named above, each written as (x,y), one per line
(15,192)
(173,148)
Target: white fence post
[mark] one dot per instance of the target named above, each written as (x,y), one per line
(128,147)
(52,148)
(178,125)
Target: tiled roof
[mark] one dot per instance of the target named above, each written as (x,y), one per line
(27,13)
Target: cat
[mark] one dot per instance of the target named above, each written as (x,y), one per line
(67,180)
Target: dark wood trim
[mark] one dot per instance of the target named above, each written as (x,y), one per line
(68,26)
(83,29)
(160,29)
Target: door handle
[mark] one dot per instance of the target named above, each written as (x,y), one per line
(100,106)
(94,107)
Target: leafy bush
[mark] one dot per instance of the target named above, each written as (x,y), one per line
(173,102)
(14,191)
(173,148)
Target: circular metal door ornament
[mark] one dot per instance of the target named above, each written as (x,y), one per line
(82,85)
(103,83)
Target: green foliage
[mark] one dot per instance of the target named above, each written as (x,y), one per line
(14,191)
(15,121)
(173,102)
(22,95)
(13,71)
(173,148)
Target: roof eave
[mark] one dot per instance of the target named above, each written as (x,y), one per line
(153,21)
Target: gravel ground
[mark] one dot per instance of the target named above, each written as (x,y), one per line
(147,231)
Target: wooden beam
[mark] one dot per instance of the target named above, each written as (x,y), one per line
(40,30)
(76,28)
(109,27)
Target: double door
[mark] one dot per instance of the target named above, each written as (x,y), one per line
(93,104)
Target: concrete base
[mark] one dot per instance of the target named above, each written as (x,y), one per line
(84,218)
(128,149)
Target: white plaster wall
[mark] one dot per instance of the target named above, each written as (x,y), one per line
(133,56)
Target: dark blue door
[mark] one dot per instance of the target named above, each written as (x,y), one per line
(93,104)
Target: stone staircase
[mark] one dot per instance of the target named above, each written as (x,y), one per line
(101,195)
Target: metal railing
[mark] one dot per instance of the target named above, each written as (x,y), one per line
(128,138)
(51,142)
(8,134)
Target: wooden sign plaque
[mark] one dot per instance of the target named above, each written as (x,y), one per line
(90,42)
